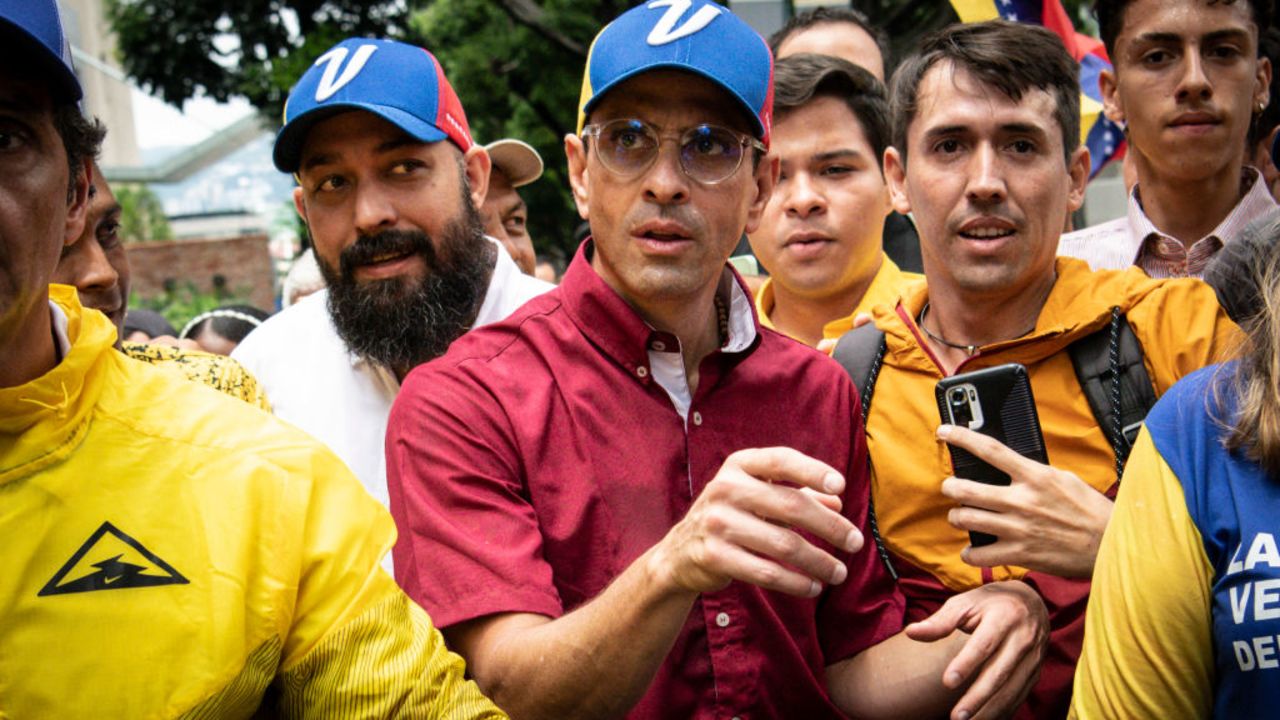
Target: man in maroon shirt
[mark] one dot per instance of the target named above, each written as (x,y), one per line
(628,498)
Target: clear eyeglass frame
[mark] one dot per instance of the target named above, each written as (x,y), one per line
(701,168)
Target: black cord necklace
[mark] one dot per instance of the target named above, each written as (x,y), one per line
(969,350)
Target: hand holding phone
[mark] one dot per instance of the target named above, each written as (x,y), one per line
(998,403)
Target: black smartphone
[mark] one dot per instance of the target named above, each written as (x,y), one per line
(998,403)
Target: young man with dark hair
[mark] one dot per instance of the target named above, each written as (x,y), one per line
(848,34)
(171,552)
(1188,78)
(630,499)
(390,186)
(987,157)
(819,236)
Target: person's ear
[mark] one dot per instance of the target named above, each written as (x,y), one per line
(1112,107)
(300,205)
(476,166)
(1262,85)
(765,180)
(575,152)
(895,173)
(1079,167)
(78,203)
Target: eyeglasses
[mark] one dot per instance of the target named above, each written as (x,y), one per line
(708,154)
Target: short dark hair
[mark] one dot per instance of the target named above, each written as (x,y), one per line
(1009,56)
(797,79)
(81,138)
(1110,16)
(825,15)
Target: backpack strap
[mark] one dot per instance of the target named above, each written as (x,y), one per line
(1115,381)
(861,353)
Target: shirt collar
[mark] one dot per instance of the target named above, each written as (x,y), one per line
(617,329)
(1254,202)
(504,273)
(764,303)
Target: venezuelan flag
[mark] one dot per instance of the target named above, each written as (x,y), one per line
(1104,138)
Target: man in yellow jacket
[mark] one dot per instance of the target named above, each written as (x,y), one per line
(170,551)
(987,158)
(820,234)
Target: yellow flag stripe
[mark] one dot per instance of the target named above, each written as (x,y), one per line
(975,10)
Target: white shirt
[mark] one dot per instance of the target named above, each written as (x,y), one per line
(1135,240)
(667,363)
(342,399)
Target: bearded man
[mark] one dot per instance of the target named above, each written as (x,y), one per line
(389,182)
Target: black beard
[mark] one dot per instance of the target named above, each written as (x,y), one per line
(404,322)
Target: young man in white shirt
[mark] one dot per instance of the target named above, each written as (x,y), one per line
(1188,78)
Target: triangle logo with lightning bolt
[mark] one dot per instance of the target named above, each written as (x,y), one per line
(111,560)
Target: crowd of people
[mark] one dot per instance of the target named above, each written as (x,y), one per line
(435,485)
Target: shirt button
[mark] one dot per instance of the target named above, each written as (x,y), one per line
(697,418)
(722,619)
(642,371)
(659,346)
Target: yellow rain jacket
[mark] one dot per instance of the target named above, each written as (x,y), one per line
(173,552)
(1181,327)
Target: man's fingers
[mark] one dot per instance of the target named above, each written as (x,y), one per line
(996,554)
(831,502)
(977,650)
(971,492)
(989,449)
(1001,686)
(739,564)
(982,520)
(952,616)
(786,465)
(786,546)
(791,507)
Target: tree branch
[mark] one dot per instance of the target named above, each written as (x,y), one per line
(530,14)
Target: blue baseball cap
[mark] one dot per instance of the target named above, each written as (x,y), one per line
(38,24)
(400,83)
(697,36)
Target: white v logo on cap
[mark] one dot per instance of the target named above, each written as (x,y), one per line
(329,82)
(666,31)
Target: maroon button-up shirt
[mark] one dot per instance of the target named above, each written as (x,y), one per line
(535,461)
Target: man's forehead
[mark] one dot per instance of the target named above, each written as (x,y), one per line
(1185,19)
(502,196)
(650,93)
(845,40)
(841,125)
(352,132)
(950,95)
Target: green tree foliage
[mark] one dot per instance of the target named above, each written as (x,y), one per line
(180,302)
(516,64)
(141,214)
(254,49)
